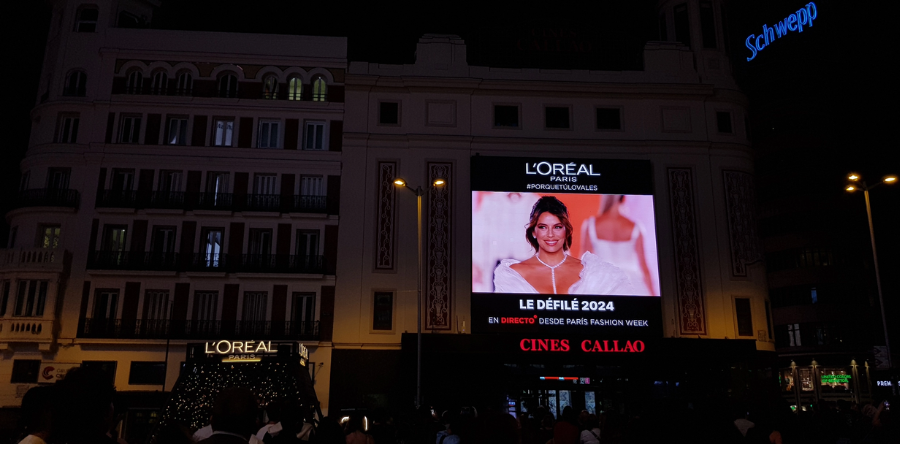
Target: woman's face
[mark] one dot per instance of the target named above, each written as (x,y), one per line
(550,233)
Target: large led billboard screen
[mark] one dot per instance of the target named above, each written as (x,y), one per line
(564,245)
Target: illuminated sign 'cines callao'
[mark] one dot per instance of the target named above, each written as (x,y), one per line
(793,22)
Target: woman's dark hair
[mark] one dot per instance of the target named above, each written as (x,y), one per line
(557,208)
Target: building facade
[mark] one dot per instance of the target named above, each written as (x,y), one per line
(683,113)
(179,187)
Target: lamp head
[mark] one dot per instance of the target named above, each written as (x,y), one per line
(850,188)
(853,176)
(439,182)
(399,182)
(889,179)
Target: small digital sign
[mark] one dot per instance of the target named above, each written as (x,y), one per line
(564,246)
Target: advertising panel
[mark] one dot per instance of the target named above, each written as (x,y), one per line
(564,246)
(51,372)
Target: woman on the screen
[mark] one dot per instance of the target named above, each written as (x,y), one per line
(617,239)
(551,270)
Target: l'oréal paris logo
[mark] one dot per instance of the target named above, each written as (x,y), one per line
(559,171)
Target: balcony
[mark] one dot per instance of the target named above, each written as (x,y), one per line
(197,329)
(281,264)
(166,200)
(214,201)
(66,198)
(32,259)
(117,199)
(133,261)
(26,329)
(206,262)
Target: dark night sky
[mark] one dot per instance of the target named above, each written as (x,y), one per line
(819,100)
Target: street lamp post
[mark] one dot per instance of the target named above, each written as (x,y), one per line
(437,182)
(859,184)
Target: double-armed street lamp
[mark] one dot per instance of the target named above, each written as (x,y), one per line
(438,183)
(857,184)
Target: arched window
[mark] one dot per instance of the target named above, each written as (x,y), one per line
(86,19)
(320,90)
(270,87)
(184,84)
(228,85)
(75,84)
(135,82)
(160,84)
(295,88)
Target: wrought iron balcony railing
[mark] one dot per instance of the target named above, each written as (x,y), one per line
(109,198)
(166,200)
(197,329)
(47,197)
(112,260)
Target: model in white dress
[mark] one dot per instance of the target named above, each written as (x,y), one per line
(623,254)
(598,277)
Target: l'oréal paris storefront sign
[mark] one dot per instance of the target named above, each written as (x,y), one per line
(240,351)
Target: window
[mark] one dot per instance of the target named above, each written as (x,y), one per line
(315,136)
(24,179)
(228,86)
(4,296)
(217,188)
(184,84)
(264,184)
(156,306)
(160,83)
(106,303)
(270,87)
(814,295)
(113,240)
(794,335)
(723,122)
(320,90)
(769,319)
(177,134)
(49,236)
(311,185)
(130,129)
(506,116)
(147,373)
(128,20)
(295,88)
(12,238)
(212,246)
(307,243)
(76,84)
(86,19)
(682,26)
(122,180)
(25,370)
(31,295)
(205,304)
(383,311)
(254,307)
(163,240)
(169,181)
(744,316)
(556,117)
(806,379)
(223,132)
(663,29)
(389,113)
(268,134)
(107,368)
(260,245)
(67,129)
(134,83)
(58,178)
(303,308)
(708,24)
(609,119)
(786,378)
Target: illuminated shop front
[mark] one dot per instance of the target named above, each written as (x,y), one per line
(806,385)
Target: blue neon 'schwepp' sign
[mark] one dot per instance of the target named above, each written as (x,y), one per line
(794,22)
